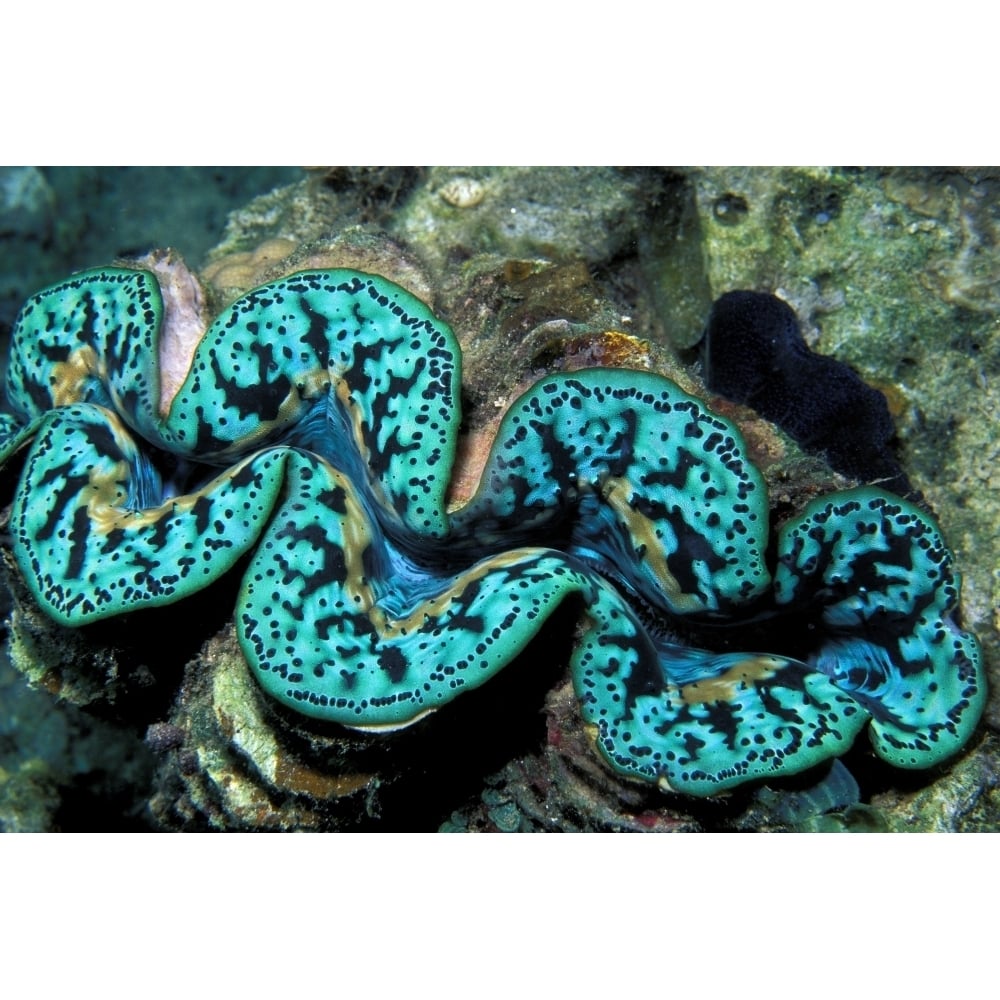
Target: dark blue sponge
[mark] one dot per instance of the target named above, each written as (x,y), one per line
(754,353)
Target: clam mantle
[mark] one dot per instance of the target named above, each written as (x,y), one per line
(312,430)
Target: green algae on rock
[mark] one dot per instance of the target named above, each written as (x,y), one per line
(585,212)
(330,398)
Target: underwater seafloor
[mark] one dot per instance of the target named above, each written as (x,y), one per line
(893,271)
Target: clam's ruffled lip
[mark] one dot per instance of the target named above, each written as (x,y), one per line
(312,431)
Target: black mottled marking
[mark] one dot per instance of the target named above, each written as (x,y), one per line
(53,353)
(266,391)
(316,335)
(207,442)
(393,662)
